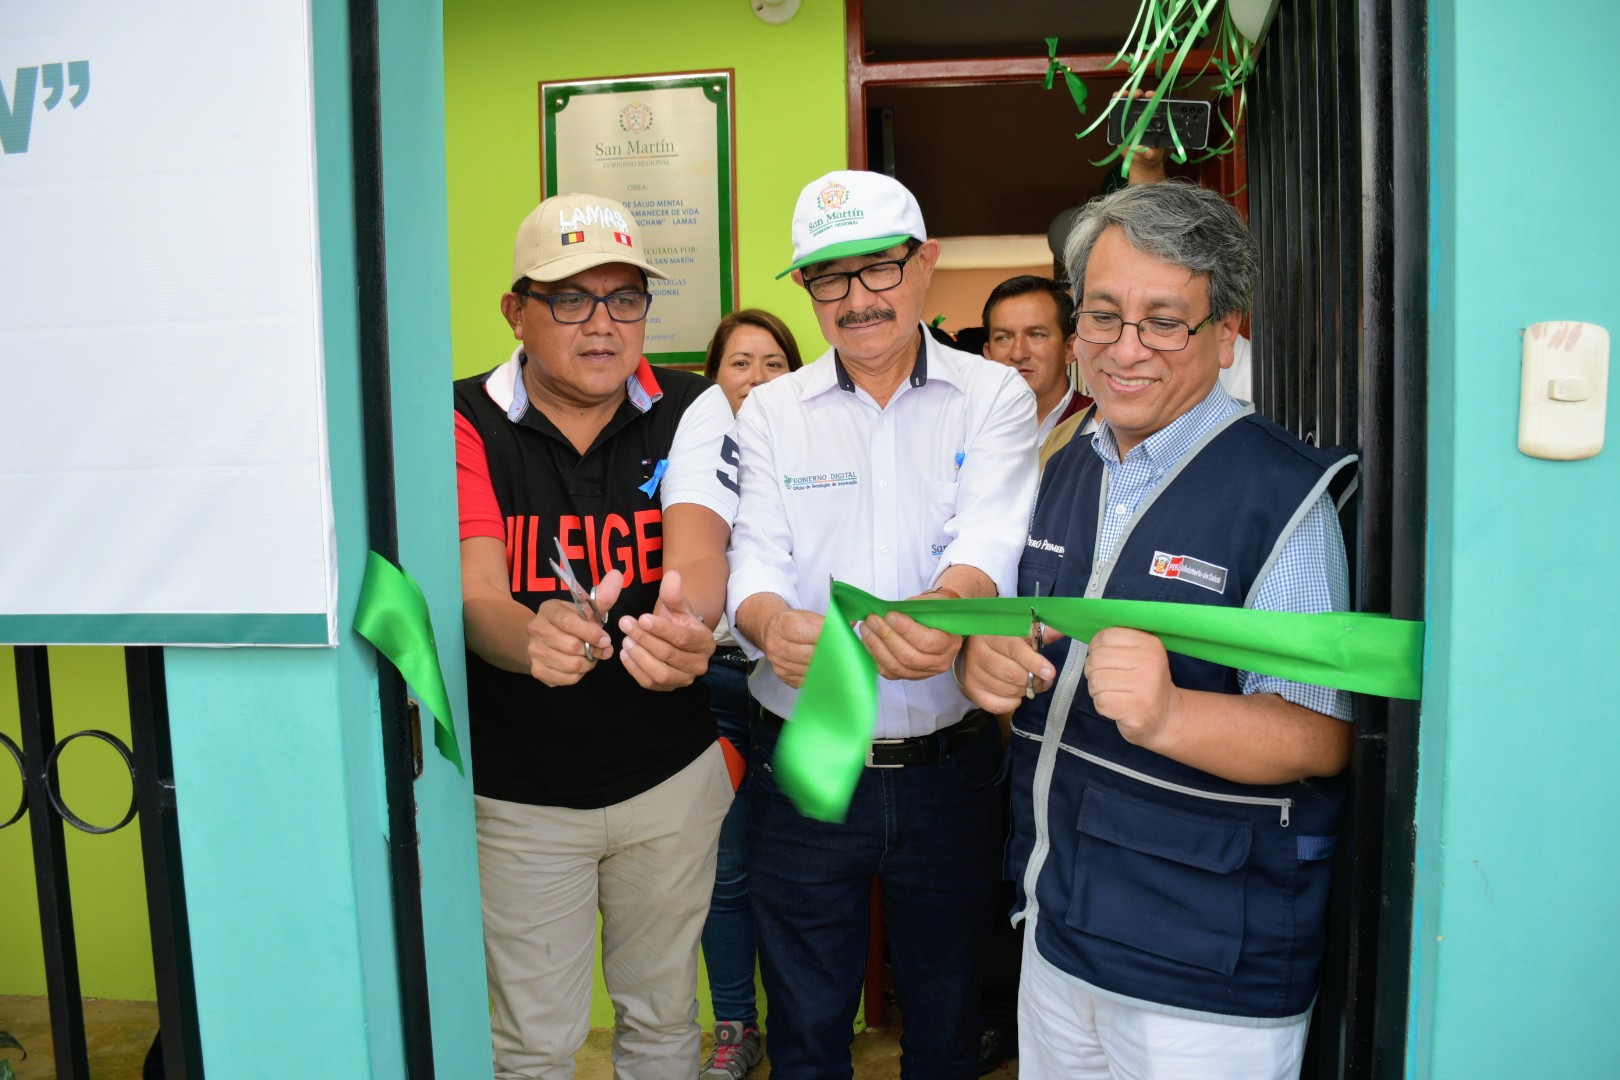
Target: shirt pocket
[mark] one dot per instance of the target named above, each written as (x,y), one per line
(1037,572)
(1161,880)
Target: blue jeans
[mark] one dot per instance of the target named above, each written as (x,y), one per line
(933,834)
(728,935)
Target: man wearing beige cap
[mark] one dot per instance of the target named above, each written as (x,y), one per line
(904,468)
(599,781)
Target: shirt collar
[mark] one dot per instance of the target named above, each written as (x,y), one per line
(1170,443)
(934,361)
(919,366)
(505,386)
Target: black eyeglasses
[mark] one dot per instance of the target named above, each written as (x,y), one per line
(879,277)
(1158,334)
(578,307)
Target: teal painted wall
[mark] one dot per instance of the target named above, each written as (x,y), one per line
(1517,907)
(412,37)
(277,754)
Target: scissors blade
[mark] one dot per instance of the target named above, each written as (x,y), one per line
(1037,631)
(583,600)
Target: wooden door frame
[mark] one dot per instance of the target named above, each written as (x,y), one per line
(1227,174)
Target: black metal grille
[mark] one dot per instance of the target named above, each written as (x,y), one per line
(1338,141)
(42,806)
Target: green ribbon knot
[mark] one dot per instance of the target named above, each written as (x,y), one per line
(822,751)
(393,616)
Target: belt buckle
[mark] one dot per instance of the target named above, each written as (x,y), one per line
(870,764)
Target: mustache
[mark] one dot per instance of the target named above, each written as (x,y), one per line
(861,318)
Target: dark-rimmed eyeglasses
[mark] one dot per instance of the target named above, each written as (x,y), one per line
(578,307)
(878,277)
(1157,333)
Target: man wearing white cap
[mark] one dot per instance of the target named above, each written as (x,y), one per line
(599,781)
(904,468)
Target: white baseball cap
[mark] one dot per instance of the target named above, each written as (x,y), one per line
(852,213)
(568,234)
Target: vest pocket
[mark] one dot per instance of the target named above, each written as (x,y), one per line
(1160,880)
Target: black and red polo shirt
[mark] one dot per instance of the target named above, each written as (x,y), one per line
(604,739)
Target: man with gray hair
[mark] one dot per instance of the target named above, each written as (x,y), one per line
(1173,818)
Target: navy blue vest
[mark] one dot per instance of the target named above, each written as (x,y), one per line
(1208,900)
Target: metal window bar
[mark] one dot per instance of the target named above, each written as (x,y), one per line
(1337,142)
(151,778)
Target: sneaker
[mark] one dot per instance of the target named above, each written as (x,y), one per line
(736,1050)
(996,1048)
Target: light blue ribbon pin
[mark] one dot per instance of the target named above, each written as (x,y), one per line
(659,470)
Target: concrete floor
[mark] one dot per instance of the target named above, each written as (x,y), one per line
(118,1033)
(876,1055)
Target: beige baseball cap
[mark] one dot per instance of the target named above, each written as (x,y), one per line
(568,234)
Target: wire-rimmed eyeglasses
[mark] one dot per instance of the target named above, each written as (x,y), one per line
(1157,333)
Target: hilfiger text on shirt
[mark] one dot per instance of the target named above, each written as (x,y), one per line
(634,547)
(821,480)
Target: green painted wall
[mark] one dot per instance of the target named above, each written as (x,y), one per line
(115,948)
(1517,917)
(789,90)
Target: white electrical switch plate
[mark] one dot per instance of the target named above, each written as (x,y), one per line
(1563,390)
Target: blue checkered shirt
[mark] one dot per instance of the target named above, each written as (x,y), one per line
(1311,575)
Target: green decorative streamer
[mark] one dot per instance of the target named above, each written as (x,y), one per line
(393,616)
(1077,88)
(822,751)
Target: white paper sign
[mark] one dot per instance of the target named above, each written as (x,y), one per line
(163,464)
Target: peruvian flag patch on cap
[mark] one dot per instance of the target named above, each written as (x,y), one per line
(623,238)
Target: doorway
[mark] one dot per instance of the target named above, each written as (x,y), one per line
(1330,170)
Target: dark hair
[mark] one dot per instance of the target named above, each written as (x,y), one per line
(1183,224)
(751,317)
(1026,284)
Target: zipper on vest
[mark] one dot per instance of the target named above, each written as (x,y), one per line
(1283,805)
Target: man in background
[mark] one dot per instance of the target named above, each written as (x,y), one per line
(1029,326)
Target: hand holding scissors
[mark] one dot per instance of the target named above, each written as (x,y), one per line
(1037,634)
(584,602)
(566,637)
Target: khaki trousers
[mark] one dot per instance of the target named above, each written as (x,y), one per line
(648,864)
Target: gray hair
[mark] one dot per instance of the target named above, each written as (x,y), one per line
(1181,223)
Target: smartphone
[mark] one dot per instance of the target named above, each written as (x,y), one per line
(1190,118)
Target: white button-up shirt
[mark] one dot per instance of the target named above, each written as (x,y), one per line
(883,498)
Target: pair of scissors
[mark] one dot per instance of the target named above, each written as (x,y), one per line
(584,602)
(1037,632)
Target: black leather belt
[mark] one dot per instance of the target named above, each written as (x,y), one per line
(917,750)
(731,658)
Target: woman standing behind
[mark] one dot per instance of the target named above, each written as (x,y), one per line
(749,347)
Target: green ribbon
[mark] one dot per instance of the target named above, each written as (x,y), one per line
(1077,88)
(393,616)
(823,750)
